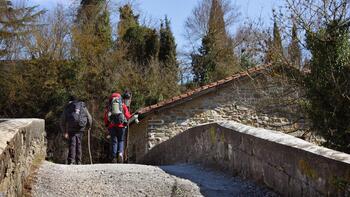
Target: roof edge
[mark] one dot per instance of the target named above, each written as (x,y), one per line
(189,95)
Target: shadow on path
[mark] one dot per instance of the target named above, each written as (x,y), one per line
(213,184)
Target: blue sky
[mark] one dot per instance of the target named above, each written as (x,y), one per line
(179,10)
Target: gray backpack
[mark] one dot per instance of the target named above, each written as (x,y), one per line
(115,111)
(76,117)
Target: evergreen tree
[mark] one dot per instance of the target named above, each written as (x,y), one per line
(92,41)
(167,59)
(127,19)
(93,18)
(142,45)
(274,52)
(203,64)
(216,59)
(12,23)
(277,41)
(216,23)
(103,28)
(167,48)
(328,84)
(150,67)
(294,49)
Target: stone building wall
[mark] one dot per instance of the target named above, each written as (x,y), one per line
(253,101)
(22,142)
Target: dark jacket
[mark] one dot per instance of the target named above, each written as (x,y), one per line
(63,122)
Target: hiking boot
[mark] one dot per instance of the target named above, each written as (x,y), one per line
(71,163)
(120,158)
(114,160)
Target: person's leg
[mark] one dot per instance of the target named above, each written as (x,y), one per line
(72,145)
(114,142)
(79,137)
(120,138)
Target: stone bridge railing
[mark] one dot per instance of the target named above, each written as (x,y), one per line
(22,143)
(288,165)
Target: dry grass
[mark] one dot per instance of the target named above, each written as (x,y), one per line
(31,179)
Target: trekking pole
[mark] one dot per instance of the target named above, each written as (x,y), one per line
(126,141)
(126,151)
(89,145)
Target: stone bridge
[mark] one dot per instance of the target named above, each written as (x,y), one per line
(217,159)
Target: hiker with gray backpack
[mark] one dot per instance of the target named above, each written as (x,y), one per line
(74,120)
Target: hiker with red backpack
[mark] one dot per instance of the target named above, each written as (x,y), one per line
(116,119)
(74,120)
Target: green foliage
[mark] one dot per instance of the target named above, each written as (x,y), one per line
(216,23)
(167,57)
(277,41)
(92,40)
(215,59)
(40,87)
(127,20)
(247,61)
(274,52)
(167,48)
(143,44)
(37,88)
(148,86)
(149,68)
(13,22)
(104,30)
(328,84)
(93,18)
(294,49)
(140,43)
(203,64)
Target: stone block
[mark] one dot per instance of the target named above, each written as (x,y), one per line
(22,141)
(156,122)
(159,135)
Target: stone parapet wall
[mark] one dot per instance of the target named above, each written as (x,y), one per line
(288,165)
(22,141)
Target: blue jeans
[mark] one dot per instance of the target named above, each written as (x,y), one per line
(117,140)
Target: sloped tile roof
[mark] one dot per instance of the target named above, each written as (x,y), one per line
(202,90)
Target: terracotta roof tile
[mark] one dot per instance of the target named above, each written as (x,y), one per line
(202,88)
(185,95)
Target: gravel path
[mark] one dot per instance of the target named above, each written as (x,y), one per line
(137,180)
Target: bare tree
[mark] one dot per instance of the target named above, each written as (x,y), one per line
(249,42)
(196,25)
(311,15)
(52,38)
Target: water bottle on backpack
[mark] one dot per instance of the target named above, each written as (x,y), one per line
(115,110)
